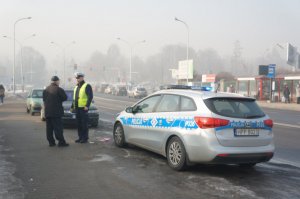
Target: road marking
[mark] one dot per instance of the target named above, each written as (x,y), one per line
(287,125)
(108,108)
(107,99)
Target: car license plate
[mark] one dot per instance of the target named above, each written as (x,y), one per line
(73,116)
(246,132)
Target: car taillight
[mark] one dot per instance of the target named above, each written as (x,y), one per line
(209,122)
(268,123)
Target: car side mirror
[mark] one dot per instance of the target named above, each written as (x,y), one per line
(129,110)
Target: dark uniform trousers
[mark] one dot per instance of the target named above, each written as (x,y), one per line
(82,122)
(54,124)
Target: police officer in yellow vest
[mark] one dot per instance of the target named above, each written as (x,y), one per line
(82,99)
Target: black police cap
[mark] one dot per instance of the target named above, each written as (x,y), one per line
(54,78)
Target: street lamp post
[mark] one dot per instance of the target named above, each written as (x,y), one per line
(63,48)
(187,48)
(14,81)
(21,50)
(131,46)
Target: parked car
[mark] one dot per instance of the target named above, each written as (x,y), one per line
(109,89)
(102,88)
(120,90)
(69,117)
(34,101)
(137,92)
(188,127)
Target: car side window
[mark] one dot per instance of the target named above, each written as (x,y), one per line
(169,103)
(147,105)
(187,104)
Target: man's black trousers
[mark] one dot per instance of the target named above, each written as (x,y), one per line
(55,125)
(82,124)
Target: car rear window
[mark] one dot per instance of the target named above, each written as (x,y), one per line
(234,107)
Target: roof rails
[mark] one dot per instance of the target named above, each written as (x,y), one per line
(199,88)
(175,87)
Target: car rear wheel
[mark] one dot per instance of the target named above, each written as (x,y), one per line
(95,124)
(176,154)
(119,136)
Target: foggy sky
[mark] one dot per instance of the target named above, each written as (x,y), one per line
(94,25)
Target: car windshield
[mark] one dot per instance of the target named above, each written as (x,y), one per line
(234,107)
(37,94)
(69,95)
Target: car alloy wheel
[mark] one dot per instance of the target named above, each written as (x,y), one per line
(119,137)
(176,154)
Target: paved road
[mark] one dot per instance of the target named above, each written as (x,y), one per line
(31,169)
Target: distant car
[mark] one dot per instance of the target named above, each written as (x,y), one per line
(137,92)
(69,117)
(188,126)
(109,89)
(120,90)
(102,88)
(34,101)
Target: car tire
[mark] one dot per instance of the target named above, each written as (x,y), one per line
(95,125)
(247,165)
(31,111)
(42,117)
(176,154)
(119,136)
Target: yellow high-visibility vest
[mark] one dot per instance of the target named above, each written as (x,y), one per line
(82,97)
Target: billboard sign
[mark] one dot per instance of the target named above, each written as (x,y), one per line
(271,71)
(209,78)
(292,55)
(263,69)
(185,69)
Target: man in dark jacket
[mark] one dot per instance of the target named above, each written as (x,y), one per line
(2,93)
(53,97)
(286,94)
(82,99)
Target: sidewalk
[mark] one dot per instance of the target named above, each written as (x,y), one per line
(282,106)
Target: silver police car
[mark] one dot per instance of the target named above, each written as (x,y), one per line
(188,126)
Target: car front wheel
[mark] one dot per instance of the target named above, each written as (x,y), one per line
(176,154)
(119,136)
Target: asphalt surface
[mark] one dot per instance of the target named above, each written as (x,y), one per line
(31,169)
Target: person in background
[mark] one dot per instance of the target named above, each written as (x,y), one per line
(286,94)
(2,94)
(298,93)
(53,97)
(82,99)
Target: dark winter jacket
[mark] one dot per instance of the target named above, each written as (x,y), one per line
(53,97)
(2,91)
(286,92)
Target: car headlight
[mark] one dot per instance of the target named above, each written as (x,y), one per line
(93,111)
(67,111)
(35,104)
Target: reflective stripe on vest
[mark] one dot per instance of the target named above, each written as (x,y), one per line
(82,96)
